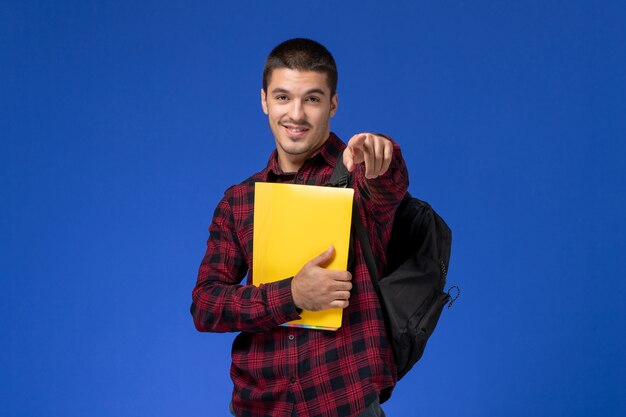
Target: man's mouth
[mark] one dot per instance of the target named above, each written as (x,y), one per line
(296,130)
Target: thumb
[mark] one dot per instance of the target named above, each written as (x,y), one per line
(323,258)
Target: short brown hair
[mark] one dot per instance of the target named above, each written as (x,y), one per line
(301,54)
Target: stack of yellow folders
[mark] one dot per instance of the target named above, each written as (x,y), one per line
(292,225)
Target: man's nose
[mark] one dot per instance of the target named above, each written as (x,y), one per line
(296,112)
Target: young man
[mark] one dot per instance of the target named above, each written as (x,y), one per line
(284,371)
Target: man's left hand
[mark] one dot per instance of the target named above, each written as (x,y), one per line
(373,150)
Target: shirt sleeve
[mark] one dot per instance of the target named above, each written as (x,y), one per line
(378,199)
(382,195)
(220,303)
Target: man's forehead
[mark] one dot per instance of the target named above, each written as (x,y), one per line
(287,78)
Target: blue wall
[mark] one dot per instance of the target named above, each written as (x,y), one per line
(122,122)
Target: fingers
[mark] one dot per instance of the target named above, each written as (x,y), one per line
(357,141)
(369,157)
(348,160)
(387,157)
(342,293)
(379,157)
(340,276)
(316,288)
(353,155)
(339,304)
(341,297)
(373,150)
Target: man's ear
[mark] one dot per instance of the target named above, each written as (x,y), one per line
(264,101)
(334,103)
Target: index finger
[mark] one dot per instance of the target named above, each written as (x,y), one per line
(342,276)
(357,141)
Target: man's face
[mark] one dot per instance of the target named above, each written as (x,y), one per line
(299,107)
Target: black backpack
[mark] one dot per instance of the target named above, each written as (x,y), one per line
(411,292)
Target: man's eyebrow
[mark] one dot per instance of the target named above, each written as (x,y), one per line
(316,91)
(311,91)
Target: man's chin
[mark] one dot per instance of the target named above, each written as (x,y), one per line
(296,151)
(291,147)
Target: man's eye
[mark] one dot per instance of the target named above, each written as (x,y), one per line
(281,98)
(314,99)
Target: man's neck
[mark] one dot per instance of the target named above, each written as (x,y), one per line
(290,165)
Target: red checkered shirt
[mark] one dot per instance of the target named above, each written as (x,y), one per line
(277,370)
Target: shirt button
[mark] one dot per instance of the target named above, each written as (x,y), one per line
(291,337)
(293,379)
(300,178)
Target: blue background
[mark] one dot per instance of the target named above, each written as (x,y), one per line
(122,123)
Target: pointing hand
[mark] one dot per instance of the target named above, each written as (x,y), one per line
(373,150)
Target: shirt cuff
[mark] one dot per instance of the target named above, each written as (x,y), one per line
(280,301)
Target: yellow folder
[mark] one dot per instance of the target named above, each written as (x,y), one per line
(292,225)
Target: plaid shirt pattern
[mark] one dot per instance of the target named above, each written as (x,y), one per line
(279,370)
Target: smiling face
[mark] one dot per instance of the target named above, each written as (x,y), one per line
(299,106)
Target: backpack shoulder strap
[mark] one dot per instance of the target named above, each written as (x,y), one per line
(368,256)
(340,178)
(340,175)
